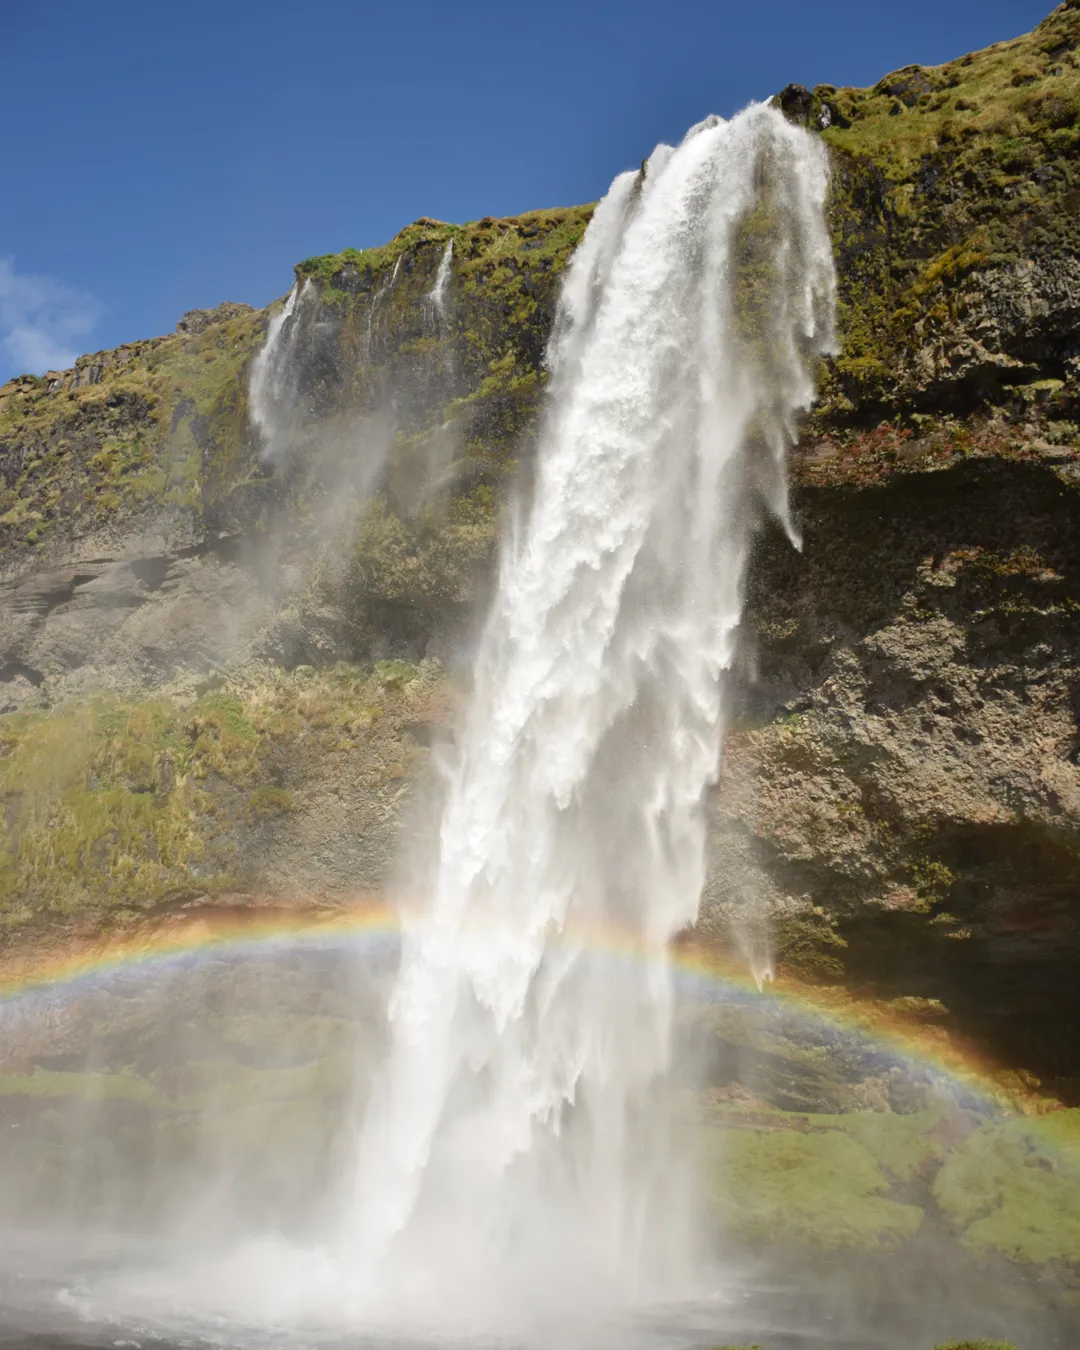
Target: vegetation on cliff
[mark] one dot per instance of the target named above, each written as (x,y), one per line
(140,433)
(954,215)
(115,806)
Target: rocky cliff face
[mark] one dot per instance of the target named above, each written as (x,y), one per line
(905,789)
(226,649)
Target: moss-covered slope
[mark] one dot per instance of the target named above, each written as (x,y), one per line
(114,807)
(125,438)
(955,225)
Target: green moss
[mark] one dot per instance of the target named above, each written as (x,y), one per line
(903,1145)
(427,565)
(932,879)
(327,267)
(1006,91)
(164,424)
(394,674)
(824,1189)
(1014,1189)
(226,1085)
(269,801)
(90,1086)
(808,944)
(85,823)
(977,1345)
(940,173)
(111,804)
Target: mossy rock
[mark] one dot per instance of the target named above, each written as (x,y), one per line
(942,174)
(113,805)
(157,429)
(1013,1189)
(977,1345)
(822,1189)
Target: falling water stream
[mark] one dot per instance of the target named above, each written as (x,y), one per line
(511,1131)
(435,300)
(272,393)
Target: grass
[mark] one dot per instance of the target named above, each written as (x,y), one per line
(138,439)
(824,1189)
(977,1345)
(112,804)
(1009,1187)
(1013,1189)
(84,821)
(326,267)
(941,174)
(89,1086)
(536,235)
(996,100)
(427,564)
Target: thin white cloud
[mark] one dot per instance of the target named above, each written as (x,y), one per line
(43,322)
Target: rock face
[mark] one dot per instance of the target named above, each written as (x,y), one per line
(198,320)
(900,804)
(904,787)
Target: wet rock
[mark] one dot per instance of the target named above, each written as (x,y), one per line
(795,101)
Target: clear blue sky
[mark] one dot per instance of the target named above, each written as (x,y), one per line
(162,155)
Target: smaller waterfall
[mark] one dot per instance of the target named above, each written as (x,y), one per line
(272,393)
(387,288)
(435,300)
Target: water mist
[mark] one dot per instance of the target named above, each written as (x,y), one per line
(510,1144)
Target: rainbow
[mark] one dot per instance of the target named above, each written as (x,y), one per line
(248,931)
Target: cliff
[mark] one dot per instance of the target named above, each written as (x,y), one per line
(228,642)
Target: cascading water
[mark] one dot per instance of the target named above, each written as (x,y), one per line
(374,314)
(272,389)
(507,1146)
(512,1175)
(435,300)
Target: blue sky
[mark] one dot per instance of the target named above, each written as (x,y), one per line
(163,155)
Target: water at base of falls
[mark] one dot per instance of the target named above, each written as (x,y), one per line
(181,1204)
(858,1304)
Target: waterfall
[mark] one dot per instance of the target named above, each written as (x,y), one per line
(380,295)
(271,390)
(507,1146)
(435,300)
